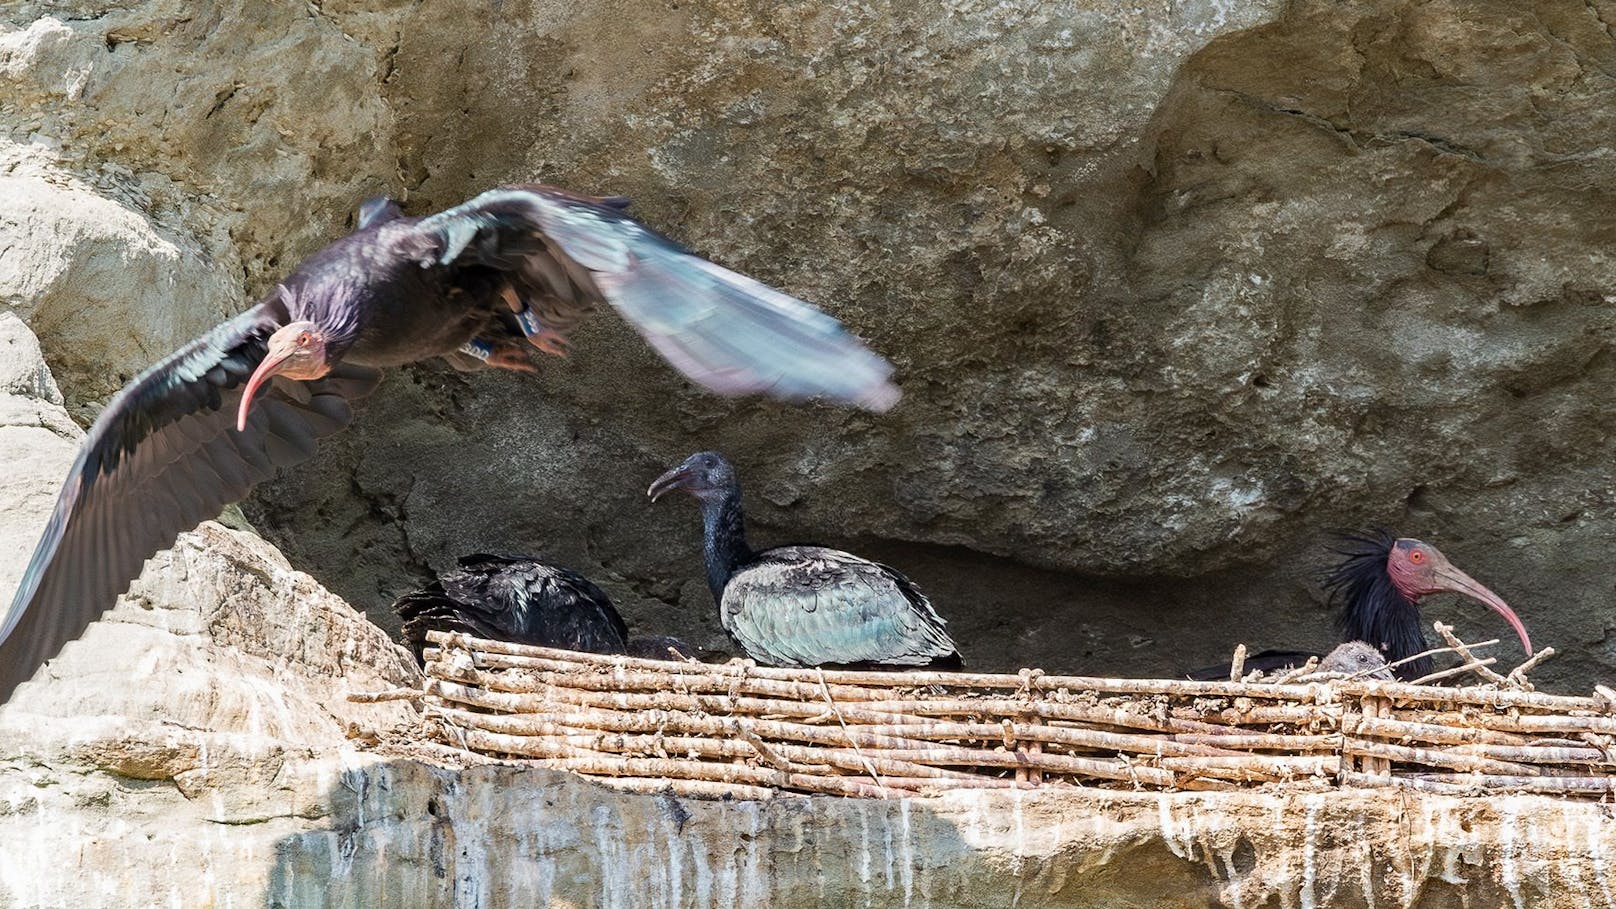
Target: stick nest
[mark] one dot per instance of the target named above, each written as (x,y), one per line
(748,731)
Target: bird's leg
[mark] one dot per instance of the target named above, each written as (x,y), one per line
(538,334)
(498,355)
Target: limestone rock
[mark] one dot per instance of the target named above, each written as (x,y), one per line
(37,443)
(108,291)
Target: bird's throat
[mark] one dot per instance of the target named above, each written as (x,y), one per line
(723,540)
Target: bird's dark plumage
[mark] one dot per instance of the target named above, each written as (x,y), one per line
(515,599)
(1375,587)
(1350,657)
(1369,607)
(805,605)
(1264,661)
(511,270)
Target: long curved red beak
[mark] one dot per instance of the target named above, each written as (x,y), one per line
(1456,581)
(267,369)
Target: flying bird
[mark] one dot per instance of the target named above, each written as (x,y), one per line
(481,285)
(522,600)
(1376,588)
(804,605)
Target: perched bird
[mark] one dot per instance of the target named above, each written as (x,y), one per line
(522,600)
(482,283)
(1378,584)
(1376,588)
(1355,658)
(804,605)
(515,599)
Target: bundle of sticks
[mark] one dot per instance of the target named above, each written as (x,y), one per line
(743,730)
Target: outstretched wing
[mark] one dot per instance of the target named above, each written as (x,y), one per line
(563,252)
(163,457)
(809,606)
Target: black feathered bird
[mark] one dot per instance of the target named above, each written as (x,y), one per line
(522,600)
(1375,588)
(482,283)
(516,599)
(804,605)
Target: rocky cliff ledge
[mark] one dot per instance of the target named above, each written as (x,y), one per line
(196,748)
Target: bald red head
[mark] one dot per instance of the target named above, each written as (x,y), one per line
(296,351)
(1417,569)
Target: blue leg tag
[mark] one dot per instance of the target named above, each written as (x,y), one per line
(482,350)
(529,322)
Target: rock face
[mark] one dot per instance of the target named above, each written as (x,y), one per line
(1173,287)
(197,747)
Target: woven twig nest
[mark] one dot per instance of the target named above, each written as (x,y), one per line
(744,730)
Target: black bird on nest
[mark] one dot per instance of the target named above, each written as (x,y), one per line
(805,605)
(522,600)
(1376,588)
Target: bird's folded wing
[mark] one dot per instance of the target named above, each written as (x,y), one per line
(724,330)
(518,599)
(163,457)
(806,606)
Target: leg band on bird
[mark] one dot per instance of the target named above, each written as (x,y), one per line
(529,322)
(482,350)
(540,335)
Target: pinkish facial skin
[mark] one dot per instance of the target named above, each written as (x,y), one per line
(1417,569)
(296,351)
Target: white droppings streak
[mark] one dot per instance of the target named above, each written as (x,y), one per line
(1164,814)
(1310,860)
(1594,824)
(1018,822)
(906,858)
(864,853)
(1508,843)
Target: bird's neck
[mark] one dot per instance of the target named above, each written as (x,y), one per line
(724,539)
(336,306)
(1388,620)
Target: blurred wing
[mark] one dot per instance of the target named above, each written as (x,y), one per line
(807,606)
(724,330)
(163,457)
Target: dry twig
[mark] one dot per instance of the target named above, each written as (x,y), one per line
(1463,650)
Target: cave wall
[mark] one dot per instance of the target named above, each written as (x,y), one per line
(1172,288)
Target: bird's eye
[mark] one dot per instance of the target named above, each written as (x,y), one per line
(303,339)
(1416,557)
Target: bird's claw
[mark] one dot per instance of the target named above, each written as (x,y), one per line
(512,359)
(553,343)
